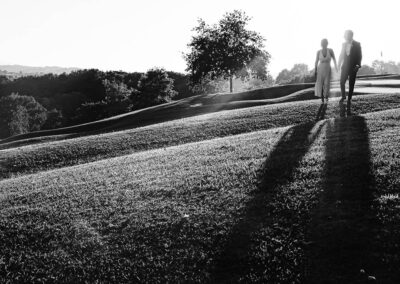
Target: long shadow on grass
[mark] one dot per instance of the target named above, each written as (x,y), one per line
(344,226)
(321,112)
(236,262)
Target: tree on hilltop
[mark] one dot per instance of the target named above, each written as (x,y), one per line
(226,50)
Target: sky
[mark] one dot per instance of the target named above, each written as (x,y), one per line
(136,35)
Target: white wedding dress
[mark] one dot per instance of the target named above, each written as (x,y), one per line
(323,84)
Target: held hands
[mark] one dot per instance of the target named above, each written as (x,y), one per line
(356,68)
(338,67)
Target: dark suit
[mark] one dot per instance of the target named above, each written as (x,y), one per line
(349,70)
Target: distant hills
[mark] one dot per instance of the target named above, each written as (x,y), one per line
(21,70)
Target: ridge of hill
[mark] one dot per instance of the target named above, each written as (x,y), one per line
(35,70)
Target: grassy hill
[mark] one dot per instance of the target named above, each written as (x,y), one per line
(290,192)
(45,156)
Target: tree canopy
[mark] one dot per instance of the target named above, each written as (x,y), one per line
(88,95)
(20,114)
(226,49)
(154,87)
(298,73)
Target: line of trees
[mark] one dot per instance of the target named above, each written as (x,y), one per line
(82,96)
(300,73)
(386,67)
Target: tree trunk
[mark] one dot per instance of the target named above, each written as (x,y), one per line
(230,83)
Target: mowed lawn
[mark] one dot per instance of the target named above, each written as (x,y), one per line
(306,203)
(45,156)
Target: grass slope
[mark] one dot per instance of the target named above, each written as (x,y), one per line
(250,207)
(58,154)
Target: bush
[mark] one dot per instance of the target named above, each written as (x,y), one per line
(19,122)
(117,97)
(181,85)
(54,119)
(20,114)
(298,74)
(154,87)
(366,70)
(91,111)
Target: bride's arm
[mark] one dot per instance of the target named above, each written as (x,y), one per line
(316,63)
(334,59)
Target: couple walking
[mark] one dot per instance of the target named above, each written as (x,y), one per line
(349,63)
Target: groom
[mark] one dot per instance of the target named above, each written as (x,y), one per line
(350,62)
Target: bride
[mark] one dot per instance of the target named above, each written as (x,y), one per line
(323,71)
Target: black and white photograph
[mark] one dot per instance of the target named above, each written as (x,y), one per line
(213,141)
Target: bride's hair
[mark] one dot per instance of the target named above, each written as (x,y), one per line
(324,42)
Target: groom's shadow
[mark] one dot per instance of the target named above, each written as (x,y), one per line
(344,225)
(235,262)
(345,109)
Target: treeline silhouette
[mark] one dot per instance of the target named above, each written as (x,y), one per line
(82,96)
(301,74)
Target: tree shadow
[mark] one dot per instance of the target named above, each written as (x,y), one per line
(235,262)
(344,225)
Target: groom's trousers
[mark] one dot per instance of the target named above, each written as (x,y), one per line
(347,73)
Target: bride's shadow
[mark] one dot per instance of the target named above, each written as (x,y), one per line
(321,112)
(235,262)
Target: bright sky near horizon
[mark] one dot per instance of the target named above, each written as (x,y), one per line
(133,35)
